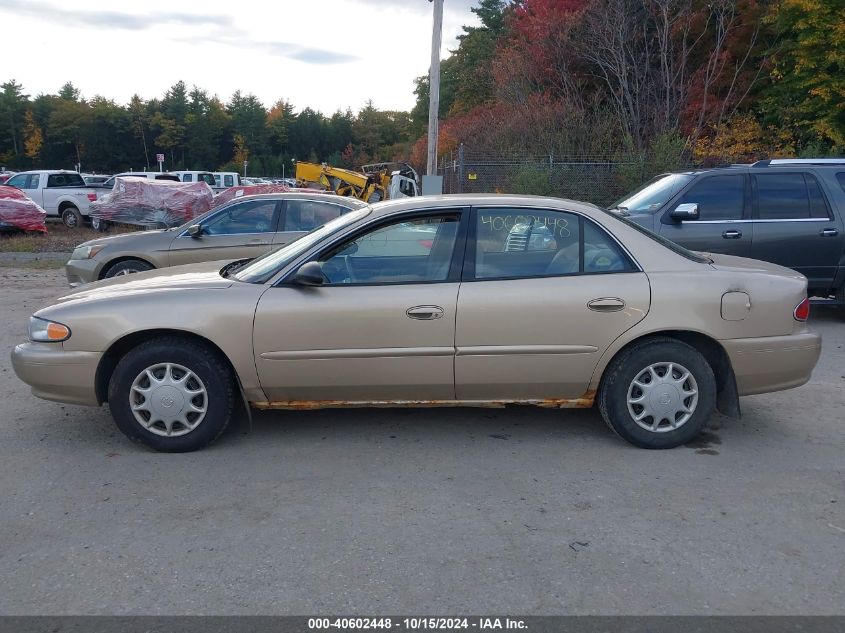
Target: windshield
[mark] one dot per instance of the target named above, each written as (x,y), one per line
(654,194)
(267,265)
(672,246)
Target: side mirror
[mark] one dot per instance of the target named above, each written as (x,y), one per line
(686,211)
(309,274)
(195,230)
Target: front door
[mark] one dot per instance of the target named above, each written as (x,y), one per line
(238,231)
(724,220)
(544,294)
(381,327)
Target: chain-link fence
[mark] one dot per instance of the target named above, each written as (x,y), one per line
(591,179)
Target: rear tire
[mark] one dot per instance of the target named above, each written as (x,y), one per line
(71,217)
(172,394)
(658,394)
(127,267)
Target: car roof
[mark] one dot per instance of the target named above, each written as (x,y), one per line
(479,199)
(311,195)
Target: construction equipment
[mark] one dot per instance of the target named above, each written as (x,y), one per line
(379,181)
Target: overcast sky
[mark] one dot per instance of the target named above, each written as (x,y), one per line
(326,54)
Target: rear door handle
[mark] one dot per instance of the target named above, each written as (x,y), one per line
(424,313)
(732,235)
(829,233)
(606,304)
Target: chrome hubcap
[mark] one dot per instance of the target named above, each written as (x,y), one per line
(662,397)
(125,271)
(168,399)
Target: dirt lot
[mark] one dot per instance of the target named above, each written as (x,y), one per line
(449,511)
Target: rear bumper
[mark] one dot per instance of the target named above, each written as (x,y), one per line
(56,374)
(81,271)
(773,363)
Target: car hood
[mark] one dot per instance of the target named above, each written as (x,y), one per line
(744,264)
(129,238)
(204,276)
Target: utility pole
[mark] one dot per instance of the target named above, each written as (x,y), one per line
(434,88)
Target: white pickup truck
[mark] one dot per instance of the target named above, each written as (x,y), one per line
(59,192)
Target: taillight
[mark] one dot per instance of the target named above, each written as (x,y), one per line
(92,197)
(802,311)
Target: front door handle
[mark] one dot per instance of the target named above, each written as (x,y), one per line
(732,235)
(606,304)
(829,233)
(424,313)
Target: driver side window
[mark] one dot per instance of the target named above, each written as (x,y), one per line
(253,216)
(412,250)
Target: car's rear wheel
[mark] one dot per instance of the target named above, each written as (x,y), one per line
(658,394)
(127,267)
(71,217)
(172,394)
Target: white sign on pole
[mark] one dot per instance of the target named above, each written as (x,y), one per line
(160,159)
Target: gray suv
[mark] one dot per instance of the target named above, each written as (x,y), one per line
(788,212)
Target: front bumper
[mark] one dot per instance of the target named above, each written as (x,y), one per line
(57,374)
(81,271)
(773,363)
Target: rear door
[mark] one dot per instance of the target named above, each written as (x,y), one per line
(724,221)
(238,231)
(298,217)
(795,227)
(30,184)
(544,293)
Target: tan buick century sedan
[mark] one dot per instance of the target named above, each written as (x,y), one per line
(433,301)
(242,228)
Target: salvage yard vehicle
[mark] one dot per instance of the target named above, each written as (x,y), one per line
(59,192)
(149,175)
(246,227)
(197,176)
(381,181)
(788,211)
(656,335)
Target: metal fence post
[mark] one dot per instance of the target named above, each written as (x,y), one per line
(461,168)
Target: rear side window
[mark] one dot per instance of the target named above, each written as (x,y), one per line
(789,197)
(65,180)
(187,178)
(228,181)
(513,243)
(307,215)
(841,178)
(718,197)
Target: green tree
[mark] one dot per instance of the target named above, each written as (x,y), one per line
(13,105)
(807,90)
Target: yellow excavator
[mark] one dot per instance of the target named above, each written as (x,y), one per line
(379,181)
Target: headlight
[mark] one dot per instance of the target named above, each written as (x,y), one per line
(45,331)
(86,252)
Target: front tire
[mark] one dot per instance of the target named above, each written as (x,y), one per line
(71,217)
(127,267)
(172,394)
(658,394)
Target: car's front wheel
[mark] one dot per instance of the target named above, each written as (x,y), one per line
(172,394)
(127,267)
(658,393)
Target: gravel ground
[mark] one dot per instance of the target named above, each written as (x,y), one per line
(422,511)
